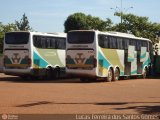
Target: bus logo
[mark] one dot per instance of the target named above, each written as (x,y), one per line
(80,58)
(4,116)
(16,58)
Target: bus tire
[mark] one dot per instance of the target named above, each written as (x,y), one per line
(56,72)
(116,75)
(49,72)
(144,74)
(110,75)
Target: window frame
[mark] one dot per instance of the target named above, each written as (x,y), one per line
(48,42)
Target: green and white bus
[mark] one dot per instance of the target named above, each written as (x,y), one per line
(109,55)
(34,54)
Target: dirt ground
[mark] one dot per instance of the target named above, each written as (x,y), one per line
(70,96)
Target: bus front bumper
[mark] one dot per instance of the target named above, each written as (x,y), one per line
(17,71)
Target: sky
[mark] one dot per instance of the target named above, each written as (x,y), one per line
(50,15)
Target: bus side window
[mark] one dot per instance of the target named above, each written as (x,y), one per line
(125,43)
(138,45)
(119,43)
(35,41)
(112,42)
(100,41)
(53,42)
(103,41)
(48,42)
(38,42)
(106,42)
(132,42)
(61,43)
(144,44)
(43,42)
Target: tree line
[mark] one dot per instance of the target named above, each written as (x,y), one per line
(22,25)
(133,24)
(137,25)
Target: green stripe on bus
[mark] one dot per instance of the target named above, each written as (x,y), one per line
(41,63)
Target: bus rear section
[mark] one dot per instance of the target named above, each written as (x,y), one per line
(81,54)
(17,58)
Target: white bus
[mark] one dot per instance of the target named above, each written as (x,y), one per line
(109,55)
(34,54)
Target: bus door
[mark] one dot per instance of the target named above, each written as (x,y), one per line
(131,67)
(142,57)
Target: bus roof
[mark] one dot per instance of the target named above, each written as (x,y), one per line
(56,34)
(113,33)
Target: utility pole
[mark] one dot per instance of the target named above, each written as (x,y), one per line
(121,10)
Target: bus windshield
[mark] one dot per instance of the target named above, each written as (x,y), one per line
(17,38)
(81,37)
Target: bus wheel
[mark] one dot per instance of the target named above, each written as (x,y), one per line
(110,75)
(144,74)
(116,75)
(56,73)
(49,71)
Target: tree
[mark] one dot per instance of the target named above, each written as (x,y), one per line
(137,25)
(76,21)
(3,30)
(80,21)
(23,24)
(98,24)
(1,38)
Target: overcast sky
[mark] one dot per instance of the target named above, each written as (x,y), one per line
(49,15)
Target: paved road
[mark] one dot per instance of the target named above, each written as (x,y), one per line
(71,96)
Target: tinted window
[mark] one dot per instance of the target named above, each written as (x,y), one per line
(103,41)
(61,43)
(120,43)
(113,42)
(125,43)
(145,44)
(49,42)
(132,42)
(139,45)
(81,37)
(17,38)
